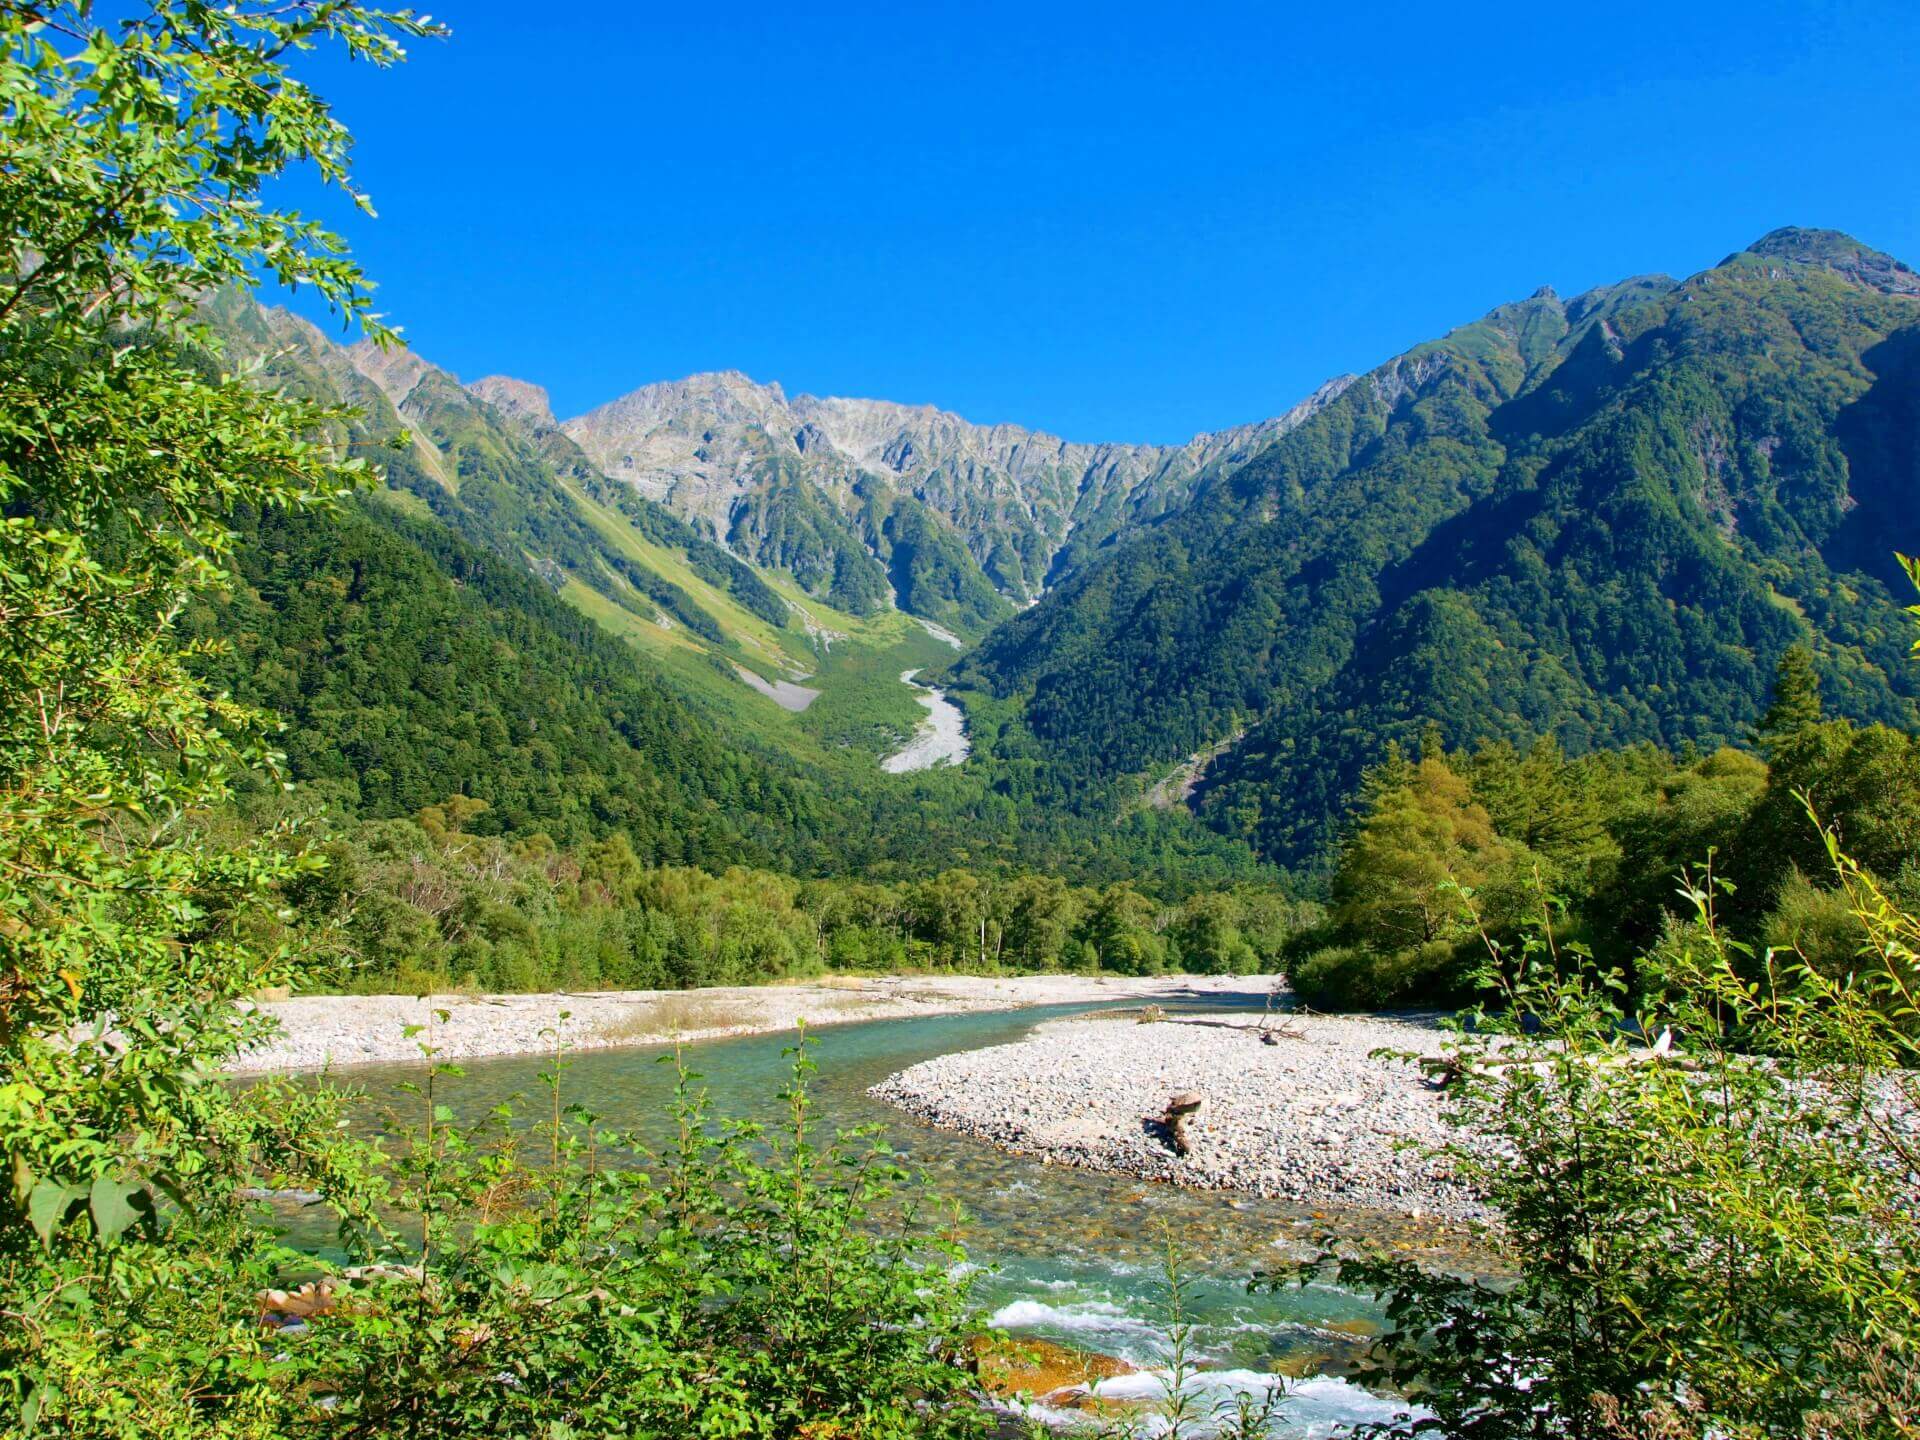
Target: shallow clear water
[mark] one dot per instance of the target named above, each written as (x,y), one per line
(1066,1254)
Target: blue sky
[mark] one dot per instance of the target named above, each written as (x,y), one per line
(1114,222)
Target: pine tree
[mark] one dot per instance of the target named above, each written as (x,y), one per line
(1796,704)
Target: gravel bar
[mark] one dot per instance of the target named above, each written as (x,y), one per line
(318,1031)
(1313,1117)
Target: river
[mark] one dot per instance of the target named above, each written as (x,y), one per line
(1065,1254)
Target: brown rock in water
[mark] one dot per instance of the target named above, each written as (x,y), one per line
(279,1307)
(1042,1370)
(326,1295)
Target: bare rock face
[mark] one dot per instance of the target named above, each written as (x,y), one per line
(397,371)
(1027,505)
(699,445)
(521,399)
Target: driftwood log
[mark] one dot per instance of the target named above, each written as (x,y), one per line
(1180,1109)
(1443,1072)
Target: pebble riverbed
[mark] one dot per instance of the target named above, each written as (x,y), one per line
(1315,1117)
(322,1030)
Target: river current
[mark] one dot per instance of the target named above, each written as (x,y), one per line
(1064,1254)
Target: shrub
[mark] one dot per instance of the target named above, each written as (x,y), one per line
(1352,977)
(573,1283)
(1817,925)
(1713,1236)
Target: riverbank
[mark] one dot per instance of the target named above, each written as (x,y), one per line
(321,1030)
(1312,1117)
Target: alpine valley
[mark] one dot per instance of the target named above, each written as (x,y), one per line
(512,925)
(1601,519)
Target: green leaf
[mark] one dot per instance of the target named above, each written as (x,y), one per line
(114,1209)
(47,1206)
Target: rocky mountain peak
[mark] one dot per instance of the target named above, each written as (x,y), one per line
(715,446)
(395,370)
(1839,252)
(521,399)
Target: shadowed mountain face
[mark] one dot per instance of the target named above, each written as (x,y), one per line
(1602,518)
(988,515)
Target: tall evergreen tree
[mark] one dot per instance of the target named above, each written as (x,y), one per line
(1795,708)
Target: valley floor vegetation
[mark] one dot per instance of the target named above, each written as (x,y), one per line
(412,906)
(1603,836)
(1709,1186)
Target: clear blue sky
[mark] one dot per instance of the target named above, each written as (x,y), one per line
(1115,221)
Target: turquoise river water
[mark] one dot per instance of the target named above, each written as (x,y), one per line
(1065,1254)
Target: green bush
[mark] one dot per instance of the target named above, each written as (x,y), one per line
(1351,977)
(1712,1237)
(1818,925)
(574,1283)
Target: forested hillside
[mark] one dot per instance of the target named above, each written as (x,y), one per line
(410,666)
(500,621)
(1454,850)
(498,481)
(1602,520)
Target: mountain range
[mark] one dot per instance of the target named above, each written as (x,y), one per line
(1600,518)
(752,465)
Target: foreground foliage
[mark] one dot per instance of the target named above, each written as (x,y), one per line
(1712,1198)
(563,1281)
(133,163)
(735,1286)
(1717,1236)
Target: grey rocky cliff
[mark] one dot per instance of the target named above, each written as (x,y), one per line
(521,399)
(1027,505)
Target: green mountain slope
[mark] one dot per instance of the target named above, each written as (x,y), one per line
(509,481)
(504,621)
(410,665)
(1603,519)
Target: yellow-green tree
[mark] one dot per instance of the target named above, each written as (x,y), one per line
(1419,845)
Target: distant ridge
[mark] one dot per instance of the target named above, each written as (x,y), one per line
(1027,507)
